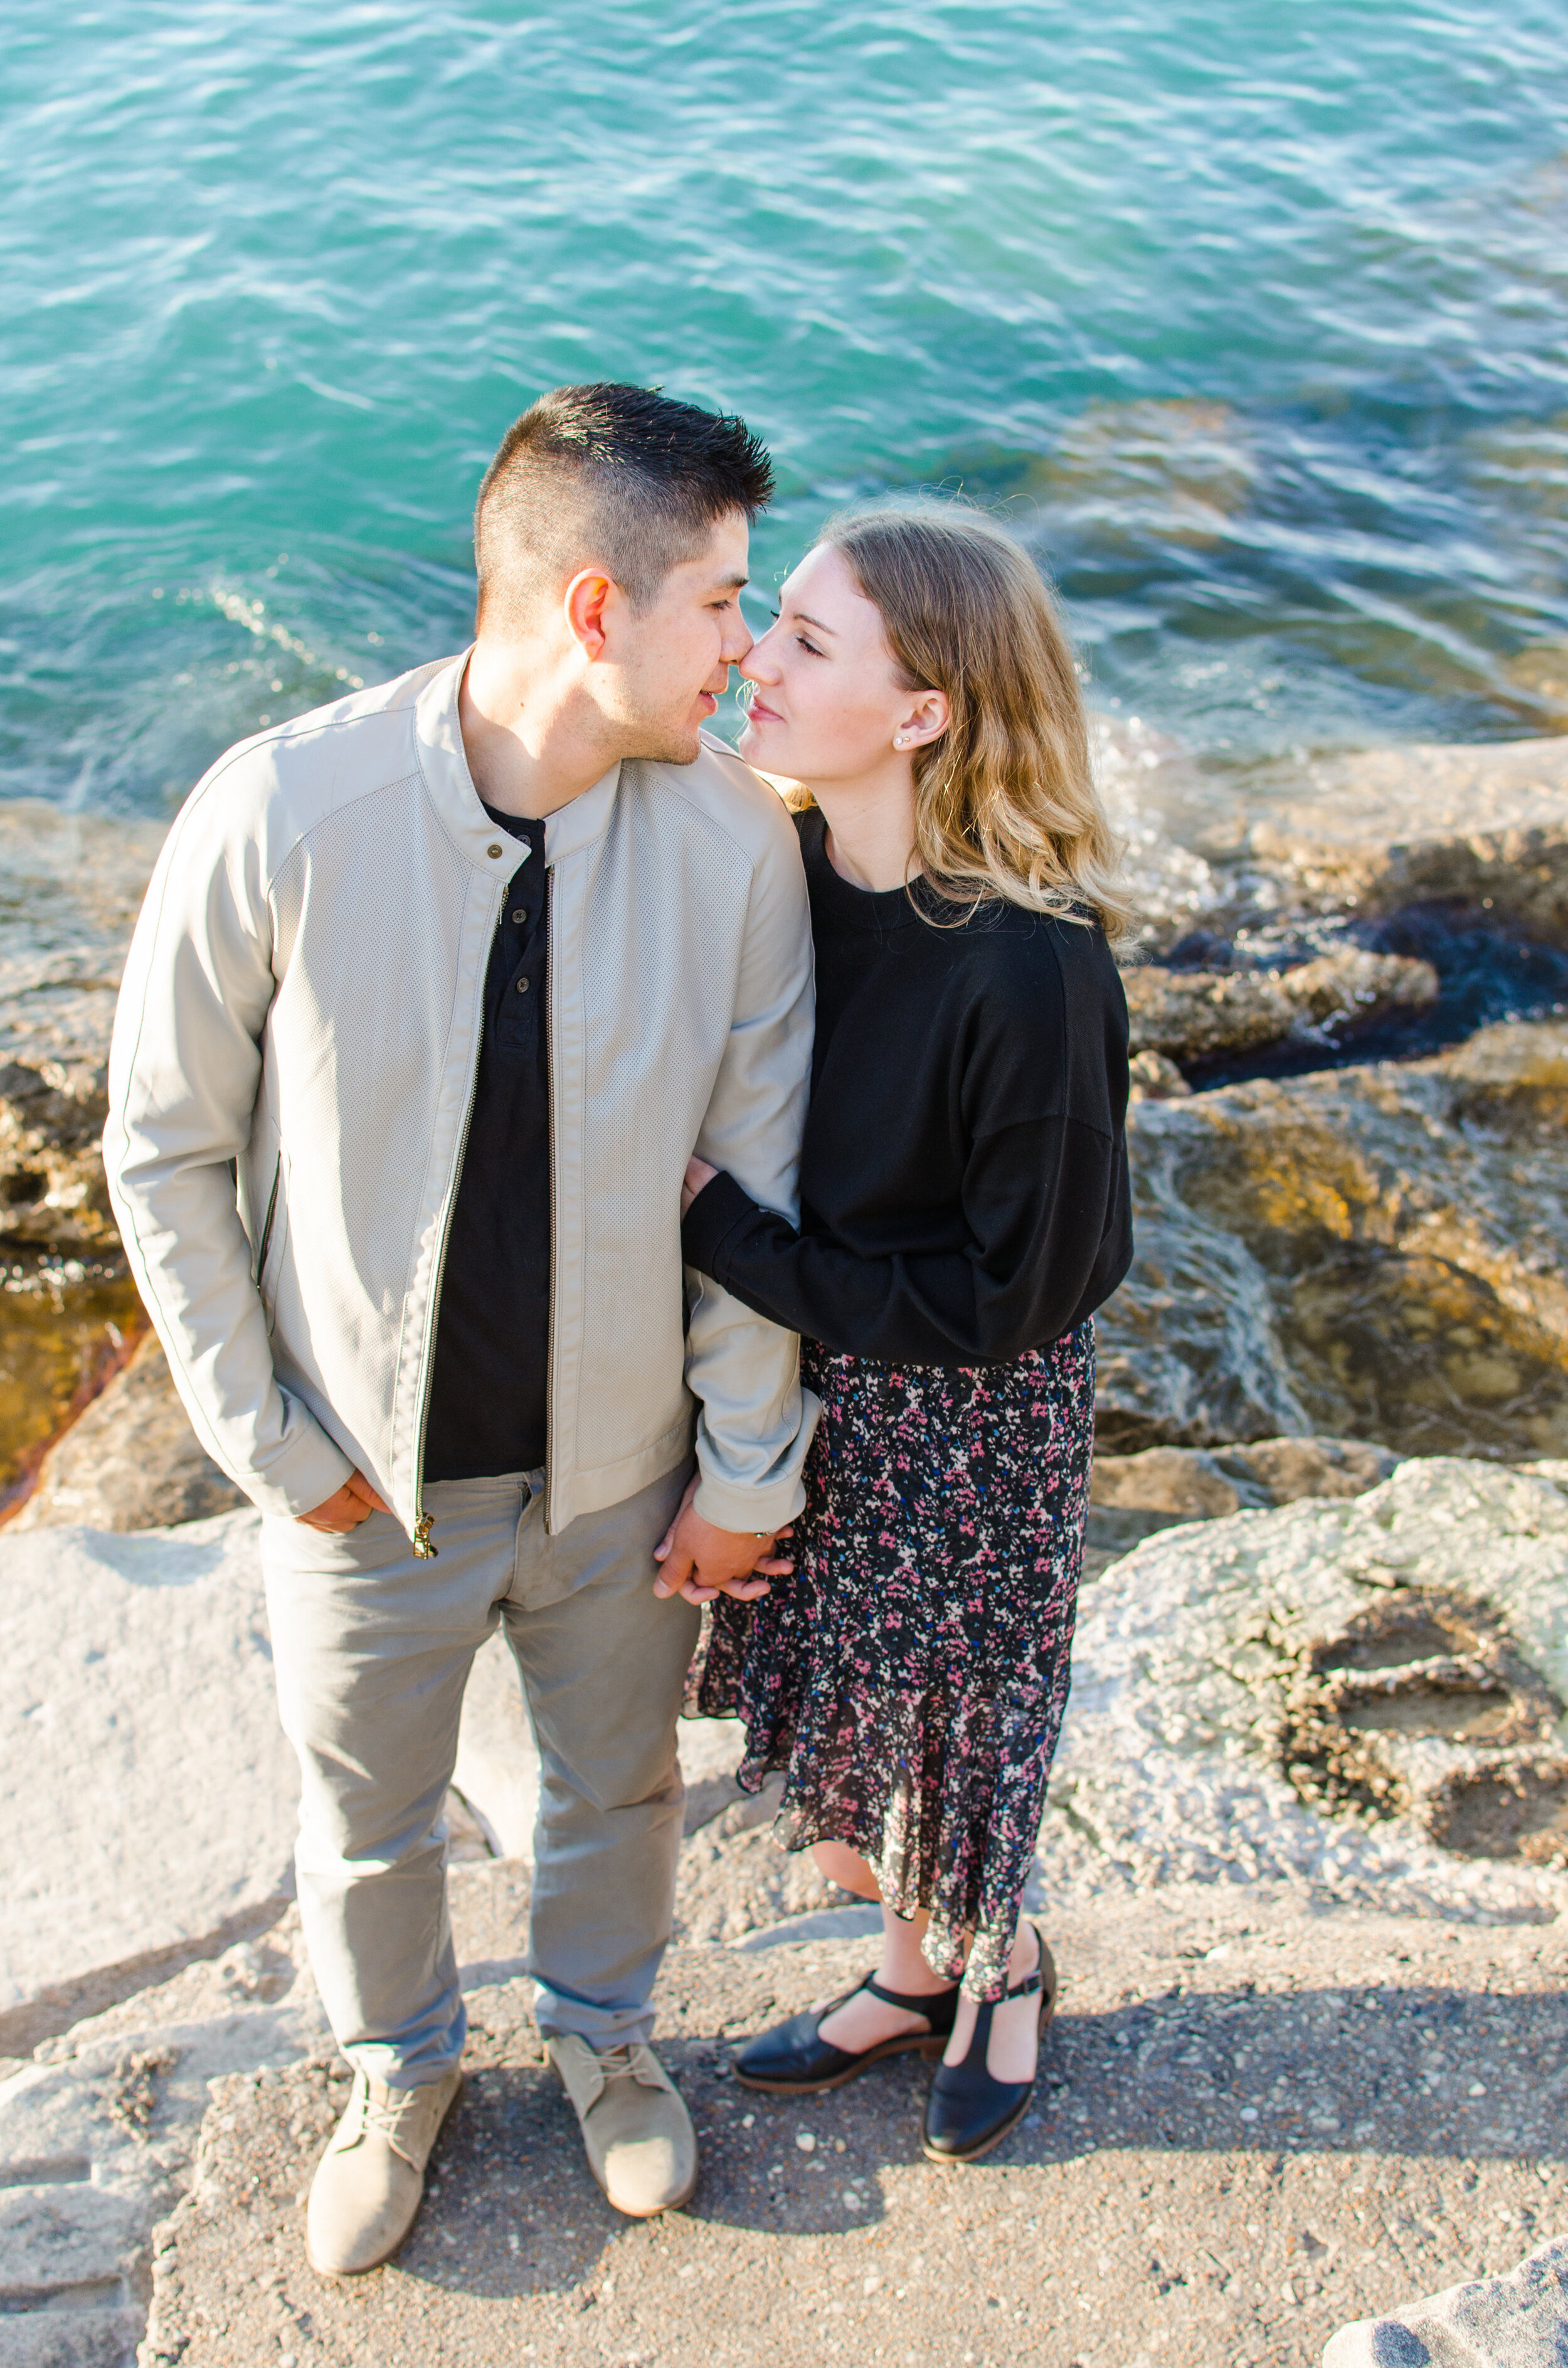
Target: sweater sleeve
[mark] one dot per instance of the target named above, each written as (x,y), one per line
(1036,1197)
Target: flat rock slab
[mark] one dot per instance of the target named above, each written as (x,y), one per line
(1171,1765)
(1520,2320)
(151,1799)
(1389,827)
(1141,2217)
(97,2136)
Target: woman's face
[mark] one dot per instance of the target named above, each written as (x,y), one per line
(828,703)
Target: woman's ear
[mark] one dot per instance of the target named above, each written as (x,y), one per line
(927,720)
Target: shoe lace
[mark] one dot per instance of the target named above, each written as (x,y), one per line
(382,2116)
(615,2062)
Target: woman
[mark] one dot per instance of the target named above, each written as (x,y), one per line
(964,1210)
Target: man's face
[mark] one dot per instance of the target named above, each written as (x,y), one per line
(669,667)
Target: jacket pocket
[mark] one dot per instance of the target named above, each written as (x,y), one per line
(271,1239)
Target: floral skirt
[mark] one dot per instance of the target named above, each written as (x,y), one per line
(910,1678)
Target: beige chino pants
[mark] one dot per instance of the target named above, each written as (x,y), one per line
(372,1650)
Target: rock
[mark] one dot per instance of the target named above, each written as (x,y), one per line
(1201,1015)
(1194,1014)
(1153,1078)
(735,1879)
(1134,1497)
(131,1462)
(1377,1252)
(150,1795)
(497,1769)
(1350,987)
(52,1189)
(1430,1608)
(64,1322)
(71,886)
(1517,2321)
(98,2137)
(1485,826)
(1191,1485)
(1236,2098)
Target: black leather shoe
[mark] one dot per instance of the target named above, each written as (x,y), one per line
(967,2112)
(793,2059)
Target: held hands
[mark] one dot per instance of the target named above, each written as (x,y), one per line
(347,1507)
(700,1561)
(698,1174)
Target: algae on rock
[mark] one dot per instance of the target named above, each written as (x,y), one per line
(1179,1758)
(1378,1253)
(131,1461)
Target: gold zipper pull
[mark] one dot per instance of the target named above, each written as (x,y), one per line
(423,1549)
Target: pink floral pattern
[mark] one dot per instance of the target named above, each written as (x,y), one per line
(910,1678)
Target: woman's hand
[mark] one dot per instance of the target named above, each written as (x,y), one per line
(762,1555)
(698,1174)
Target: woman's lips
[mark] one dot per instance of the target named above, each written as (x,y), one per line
(757,713)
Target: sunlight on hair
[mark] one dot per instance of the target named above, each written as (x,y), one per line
(1004,802)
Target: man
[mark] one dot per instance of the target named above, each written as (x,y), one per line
(434,992)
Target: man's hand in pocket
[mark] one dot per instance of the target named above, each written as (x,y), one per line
(347,1507)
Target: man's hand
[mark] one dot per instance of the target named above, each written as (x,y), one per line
(698,1174)
(700,1561)
(343,1511)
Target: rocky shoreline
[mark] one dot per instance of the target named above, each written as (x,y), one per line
(1317,1723)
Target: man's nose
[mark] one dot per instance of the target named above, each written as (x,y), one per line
(738,642)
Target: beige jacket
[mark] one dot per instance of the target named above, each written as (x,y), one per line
(292,1069)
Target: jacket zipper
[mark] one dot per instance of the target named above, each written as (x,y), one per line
(423,1521)
(549,953)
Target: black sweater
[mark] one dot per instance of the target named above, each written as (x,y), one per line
(964,1175)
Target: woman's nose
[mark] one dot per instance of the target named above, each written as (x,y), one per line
(758,664)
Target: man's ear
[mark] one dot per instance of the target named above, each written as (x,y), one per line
(584,606)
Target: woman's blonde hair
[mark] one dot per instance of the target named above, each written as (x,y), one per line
(1004,802)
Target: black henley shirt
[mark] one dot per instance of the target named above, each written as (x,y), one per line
(489,1395)
(964,1192)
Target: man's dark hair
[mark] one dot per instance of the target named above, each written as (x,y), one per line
(607,475)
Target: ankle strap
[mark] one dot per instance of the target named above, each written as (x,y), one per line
(910,2005)
(1027,1987)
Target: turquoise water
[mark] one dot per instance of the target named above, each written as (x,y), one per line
(1252,313)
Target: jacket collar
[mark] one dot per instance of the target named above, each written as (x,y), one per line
(438,735)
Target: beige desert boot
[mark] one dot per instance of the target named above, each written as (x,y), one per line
(640,2146)
(369,2182)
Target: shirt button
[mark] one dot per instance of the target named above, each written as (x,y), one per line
(522,986)
(493,849)
(517,920)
